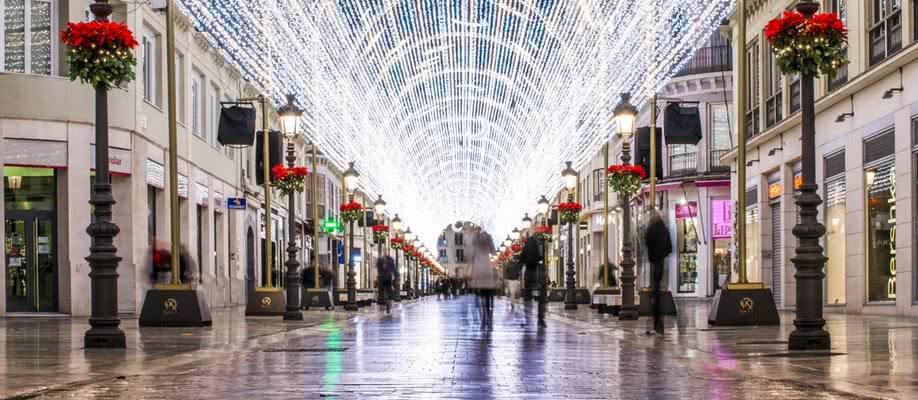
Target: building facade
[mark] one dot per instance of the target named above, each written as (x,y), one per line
(866,134)
(46,126)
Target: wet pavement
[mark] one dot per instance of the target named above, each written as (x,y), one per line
(441,349)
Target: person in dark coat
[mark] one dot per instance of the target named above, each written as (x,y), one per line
(659,246)
(532,257)
(385,276)
(512,279)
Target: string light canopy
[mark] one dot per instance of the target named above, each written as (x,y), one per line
(458,109)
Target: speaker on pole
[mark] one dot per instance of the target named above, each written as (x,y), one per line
(682,123)
(275,153)
(237,124)
(642,149)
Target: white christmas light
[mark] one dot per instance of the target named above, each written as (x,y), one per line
(456,112)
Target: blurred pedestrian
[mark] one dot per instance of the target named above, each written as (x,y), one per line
(512,279)
(385,276)
(532,257)
(659,246)
(483,277)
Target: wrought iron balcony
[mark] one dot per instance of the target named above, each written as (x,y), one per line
(683,164)
(709,59)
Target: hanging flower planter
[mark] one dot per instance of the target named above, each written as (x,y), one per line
(289,179)
(625,179)
(516,248)
(100,52)
(351,211)
(543,232)
(396,243)
(808,46)
(380,233)
(409,250)
(570,212)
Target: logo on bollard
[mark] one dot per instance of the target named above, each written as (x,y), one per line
(170,306)
(745,305)
(265,302)
(315,299)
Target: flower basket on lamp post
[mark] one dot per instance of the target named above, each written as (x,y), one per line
(543,232)
(289,179)
(350,212)
(100,52)
(626,179)
(570,212)
(808,46)
(380,233)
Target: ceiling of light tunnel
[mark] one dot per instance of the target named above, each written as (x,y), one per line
(458,109)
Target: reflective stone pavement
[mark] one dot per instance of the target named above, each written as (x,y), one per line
(440,349)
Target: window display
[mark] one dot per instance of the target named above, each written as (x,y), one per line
(835,240)
(686,247)
(721,234)
(880,182)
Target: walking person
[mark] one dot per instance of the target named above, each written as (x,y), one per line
(483,277)
(532,258)
(659,246)
(385,277)
(512,279)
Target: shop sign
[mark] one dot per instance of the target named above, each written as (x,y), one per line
(119,160)
(774,190)
(202,194)
(721,219)
(218,202)
(182,186)
(155,174)
(686,210)
(798,180)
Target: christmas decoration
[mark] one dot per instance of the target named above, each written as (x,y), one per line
(351,211)
(288,179)
(570,212)
(625,179)
(808,46)
(100,53)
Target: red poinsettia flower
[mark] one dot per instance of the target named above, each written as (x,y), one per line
(279,172)
(352,206)
(570,206)
(408,249)
(380,227)
(516,248)
(542,228)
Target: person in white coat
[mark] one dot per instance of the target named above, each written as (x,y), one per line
(483,277)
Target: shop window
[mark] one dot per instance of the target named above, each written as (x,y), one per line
(885,30)
(721,236)
(752,89)
(753,237)
(774,83)
(720,136)
(880,182)
(686,247)
(28,42)
(835,213)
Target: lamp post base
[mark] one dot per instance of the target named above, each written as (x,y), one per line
(175,306)
(628,313)
(104,338)
(814,339)
(266,302)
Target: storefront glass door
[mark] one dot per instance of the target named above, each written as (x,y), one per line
(30,239)
(31,273)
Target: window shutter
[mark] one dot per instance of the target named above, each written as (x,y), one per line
(879,146)
(835,164)
(752,196)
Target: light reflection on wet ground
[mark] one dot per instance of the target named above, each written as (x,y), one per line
(440,349)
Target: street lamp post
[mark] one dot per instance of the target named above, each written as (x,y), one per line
(625,117)
(408,237)
(350,185)
(543,207)
(379,206)
(396,227)
(808,331)
(527,291)
(570,183)
(289,117)
(103,257)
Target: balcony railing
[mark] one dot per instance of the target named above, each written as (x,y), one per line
(683,164)
(709,59)
(714,165)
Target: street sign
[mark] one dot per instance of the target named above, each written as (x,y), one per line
(332,225)
(235,203)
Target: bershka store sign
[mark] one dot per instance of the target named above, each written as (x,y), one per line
(119,160)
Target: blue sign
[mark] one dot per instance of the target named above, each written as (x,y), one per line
(235,203)
(340,251)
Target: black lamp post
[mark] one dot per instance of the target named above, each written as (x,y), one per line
(570,297)
(379,207)
(350,184)
(103,258)
(290,116)
(808,331)
(396,228)
(625,118)
(417,271)
(407,237)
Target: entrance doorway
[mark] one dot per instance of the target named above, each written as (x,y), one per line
(30,239)
(249,263)
(31,273)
